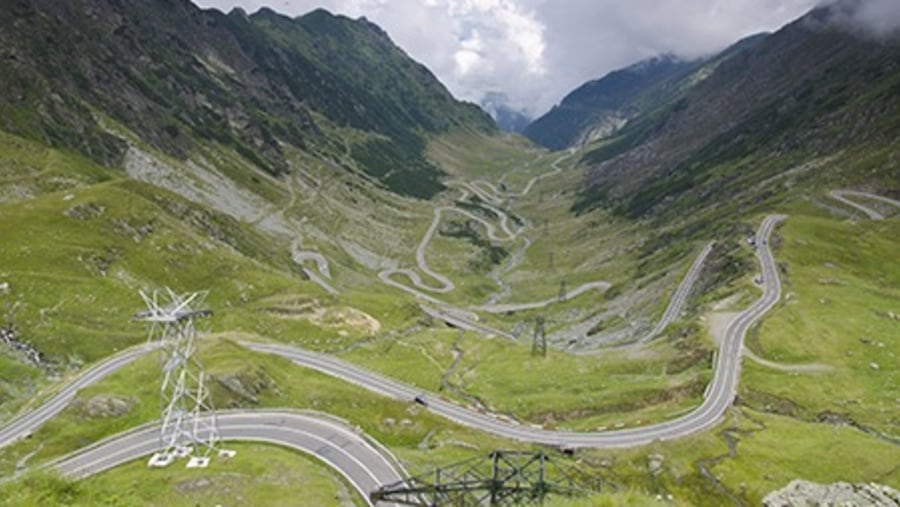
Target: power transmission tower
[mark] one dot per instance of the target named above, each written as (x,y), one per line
(502,478)
(539,345)
(188,418)
(562,290)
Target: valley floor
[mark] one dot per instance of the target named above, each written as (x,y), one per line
(816,397)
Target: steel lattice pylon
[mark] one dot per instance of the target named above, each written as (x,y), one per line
(539,345)
(502,478)
(188,417)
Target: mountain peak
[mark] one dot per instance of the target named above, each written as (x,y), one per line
(254,83)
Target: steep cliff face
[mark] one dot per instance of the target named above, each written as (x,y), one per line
(178,75)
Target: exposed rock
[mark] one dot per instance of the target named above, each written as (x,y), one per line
(834,418)
(103,406)
(193,485)
(801,493)
(343,318)
(233,383)
(247,384)
(136,232)
(99,262)
(84,211)
(9,337)
(655,463)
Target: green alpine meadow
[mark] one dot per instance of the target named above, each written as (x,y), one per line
(259,258)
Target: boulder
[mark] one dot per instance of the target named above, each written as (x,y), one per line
(800,493)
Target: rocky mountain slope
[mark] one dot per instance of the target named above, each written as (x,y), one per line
(808,493)
(153,143)
(600,107)
(823,86)
(179,75)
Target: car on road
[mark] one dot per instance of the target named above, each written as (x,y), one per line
(420,399)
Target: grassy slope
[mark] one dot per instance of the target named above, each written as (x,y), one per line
(93,241)
(770,448)
(779,429)
(416,436)
(264,474)
(552,392)
(841,290)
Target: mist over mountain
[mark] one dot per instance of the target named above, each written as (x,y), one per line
(876,18)
(506,117)
(816,87)
(601,106)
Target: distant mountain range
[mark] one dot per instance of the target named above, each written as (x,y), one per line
(179,75)
(599,108)
(508,118)
(666,136)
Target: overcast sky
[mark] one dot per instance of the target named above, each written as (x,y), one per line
(536,51)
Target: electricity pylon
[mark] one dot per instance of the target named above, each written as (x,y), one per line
(539,345)
(502,478)
(188,418)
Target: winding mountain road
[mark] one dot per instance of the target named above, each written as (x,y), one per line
(718,397)
(458,317)
(321,278)
(493,193)
(461,321)
(517,307)
(840,195)
(681,293)
(331,441)
(445,284)
(28,422)
(348,452)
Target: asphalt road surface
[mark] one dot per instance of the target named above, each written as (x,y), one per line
(718,397)
(357,459)
(329,440)
(26,423)
(300,256)
(681,293)
(840,195)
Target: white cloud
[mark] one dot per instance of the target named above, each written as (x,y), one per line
(535,51)
(877,17)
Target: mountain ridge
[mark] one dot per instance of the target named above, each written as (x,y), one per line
(603,103)
(600,107)
(812,89)
(174,72)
